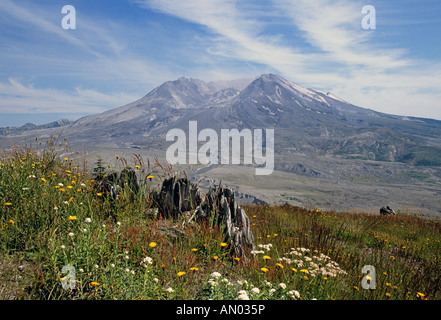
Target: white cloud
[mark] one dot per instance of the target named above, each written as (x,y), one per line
(26,99)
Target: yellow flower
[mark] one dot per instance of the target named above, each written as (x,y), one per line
(43,179)
(11,221)
(66,159)
(388,294)
(194,269)
(99,194)
(304,270)
(68,171)
(8,204)
(181,273)
(69,187)
(117,156)
(62,190)
(236,258)
(94,284)
(305,278)
(264,270)
(356,288)
(266,258)
(150,177)
(215,257)
(223,244)
(280,265)
(420,295)
(388,284)
(71,218)
(152,244)
(137,167)
(294,269)
(194,249)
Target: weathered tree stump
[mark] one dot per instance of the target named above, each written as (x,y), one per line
(180,195)
(387,210)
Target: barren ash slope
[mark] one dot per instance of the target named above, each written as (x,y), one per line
(328,152)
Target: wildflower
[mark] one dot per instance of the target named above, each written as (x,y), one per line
(264,270)
(117,156)
(388,294)
(137,167)
(118,223)
(24,189)
(194,249)
(152,244)
(223,244)
(11,221)
(215,257)
(88,220)
(237,259)
(147,260)
(304,270)
(282,285)
(194,269)
(181,273)
(71,234)
(215,275)
(43,179)
(69,187)
(242,295)
(32,176)
(305,278)
(99,194)
(55,208)
(8,204)
(169,290)
(150,177)
(294,269)
(112,265)
(94,284)
(420,295)
(63,246)
(294,294)
(266,258)
(356,288)
(255,291)
(280,265)
(71,218)
(70,200)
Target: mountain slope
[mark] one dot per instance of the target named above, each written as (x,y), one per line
(305,120)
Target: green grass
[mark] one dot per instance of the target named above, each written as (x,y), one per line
(51,217)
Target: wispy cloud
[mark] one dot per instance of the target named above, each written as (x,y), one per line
(19,98)
(342,56)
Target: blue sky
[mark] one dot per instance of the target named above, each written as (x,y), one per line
(121,49)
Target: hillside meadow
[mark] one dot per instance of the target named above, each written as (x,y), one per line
(61,239)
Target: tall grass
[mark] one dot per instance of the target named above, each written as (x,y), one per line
(52,217)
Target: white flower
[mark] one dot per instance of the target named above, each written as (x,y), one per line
(63,247)
(282,285)
(32,176)
(242,295)
(118,223)
(169,290)
(82,184)
(132,272)
(255,291)
(71,234)
(88,220)
(127,257)
(84,230)
(24,189)
(148,260)
(271,291)
(127,270)
(215,275)
(81,270)
(60,184)
(156,280)
(112,265)
(294,293)
(55,208)
(96,266)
